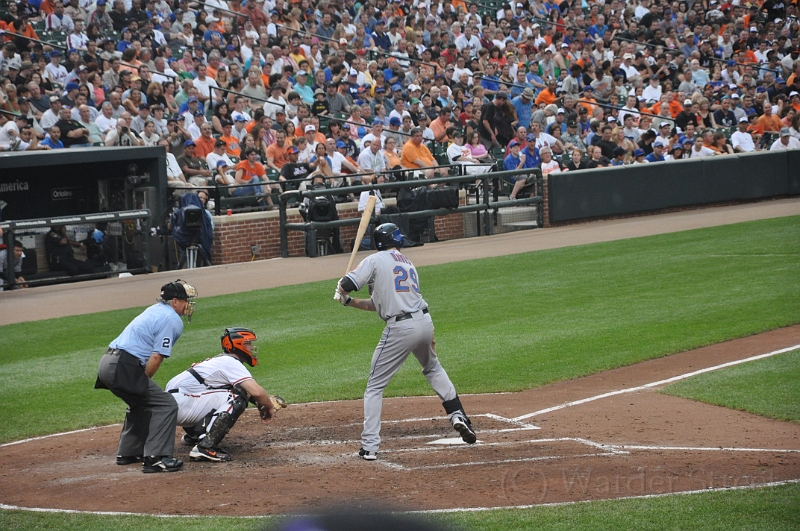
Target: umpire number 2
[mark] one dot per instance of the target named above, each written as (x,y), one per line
(165,343)
(401,276)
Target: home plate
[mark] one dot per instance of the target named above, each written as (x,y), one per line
(448,442)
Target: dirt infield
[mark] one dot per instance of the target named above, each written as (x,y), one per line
(604,436)
(627,444)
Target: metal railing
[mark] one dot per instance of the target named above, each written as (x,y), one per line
(11,227)
(488,207)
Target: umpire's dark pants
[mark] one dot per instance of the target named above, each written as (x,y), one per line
(150,421)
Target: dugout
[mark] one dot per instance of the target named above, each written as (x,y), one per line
(80,184)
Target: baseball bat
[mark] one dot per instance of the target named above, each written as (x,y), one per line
(362,228)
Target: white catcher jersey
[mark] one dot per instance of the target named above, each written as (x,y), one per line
(393,282)
(220,371)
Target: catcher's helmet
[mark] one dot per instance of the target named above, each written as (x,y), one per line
(180,289)
(386,236)
(239,341)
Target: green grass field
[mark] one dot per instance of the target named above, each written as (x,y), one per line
(767,387)
(768,509)
(502,324)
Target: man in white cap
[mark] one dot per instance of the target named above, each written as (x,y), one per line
(742,140)
(786,141)
(631,72)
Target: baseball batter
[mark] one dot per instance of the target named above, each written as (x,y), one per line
(127,370)
(212,394)
(395,294)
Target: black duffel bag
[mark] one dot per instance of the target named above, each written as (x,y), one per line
(446,197)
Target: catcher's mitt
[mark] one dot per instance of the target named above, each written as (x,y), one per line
(277,403)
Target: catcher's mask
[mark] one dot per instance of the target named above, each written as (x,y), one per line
(180,289)
(239,341)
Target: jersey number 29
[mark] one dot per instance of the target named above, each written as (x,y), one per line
(401,276)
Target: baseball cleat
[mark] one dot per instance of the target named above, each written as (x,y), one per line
(463,426)
(128,459)
(210,454)
(153,464)
(367,455)
(189,440)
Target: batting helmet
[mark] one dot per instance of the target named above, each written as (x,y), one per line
(386,236)
(180,289)
(239,341)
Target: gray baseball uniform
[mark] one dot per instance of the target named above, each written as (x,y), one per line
(394,288)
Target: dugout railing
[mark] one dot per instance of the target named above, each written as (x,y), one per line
(141,226)
(486,209)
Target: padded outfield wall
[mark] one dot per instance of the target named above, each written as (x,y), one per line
(620,191)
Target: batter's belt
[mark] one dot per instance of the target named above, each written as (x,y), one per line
(404,316)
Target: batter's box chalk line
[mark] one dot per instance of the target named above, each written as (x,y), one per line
(437,446)
(518,426)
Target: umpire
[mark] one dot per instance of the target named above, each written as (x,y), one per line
(127,369)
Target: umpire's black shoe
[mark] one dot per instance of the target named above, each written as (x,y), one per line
(128,459)
(153,464)
(463,426)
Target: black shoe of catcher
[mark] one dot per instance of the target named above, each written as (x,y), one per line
(128,459)
(210,454)
(154,464)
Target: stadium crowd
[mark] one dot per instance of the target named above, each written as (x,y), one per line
(268,90)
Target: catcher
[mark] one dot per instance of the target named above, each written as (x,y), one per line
(213,393)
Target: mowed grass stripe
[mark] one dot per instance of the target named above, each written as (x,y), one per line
(761,509)
(502,324)
(768,387)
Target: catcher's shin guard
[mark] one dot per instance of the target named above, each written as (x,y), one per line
(223,423)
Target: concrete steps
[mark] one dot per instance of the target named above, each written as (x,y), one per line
(508,220)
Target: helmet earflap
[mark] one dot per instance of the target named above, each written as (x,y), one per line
(239,342)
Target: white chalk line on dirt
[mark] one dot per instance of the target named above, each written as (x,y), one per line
(523,425)
(605,451)
(655,384)
(6,507)
(701,448)
(404,468)
(58,435)
(639,497)
(292,444)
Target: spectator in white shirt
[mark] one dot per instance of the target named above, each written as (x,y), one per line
(786,141)
(741,140)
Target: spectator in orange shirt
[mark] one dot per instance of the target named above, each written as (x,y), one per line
(794,96)
(276,153)
(22,27)
(250,173)
(232,148)
(548,95)
(204,143)
(587,100)
(416,155)
(439,125)
(47,7)
(769,121)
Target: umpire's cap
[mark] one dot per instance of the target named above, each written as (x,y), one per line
(180,289)
(387,236)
